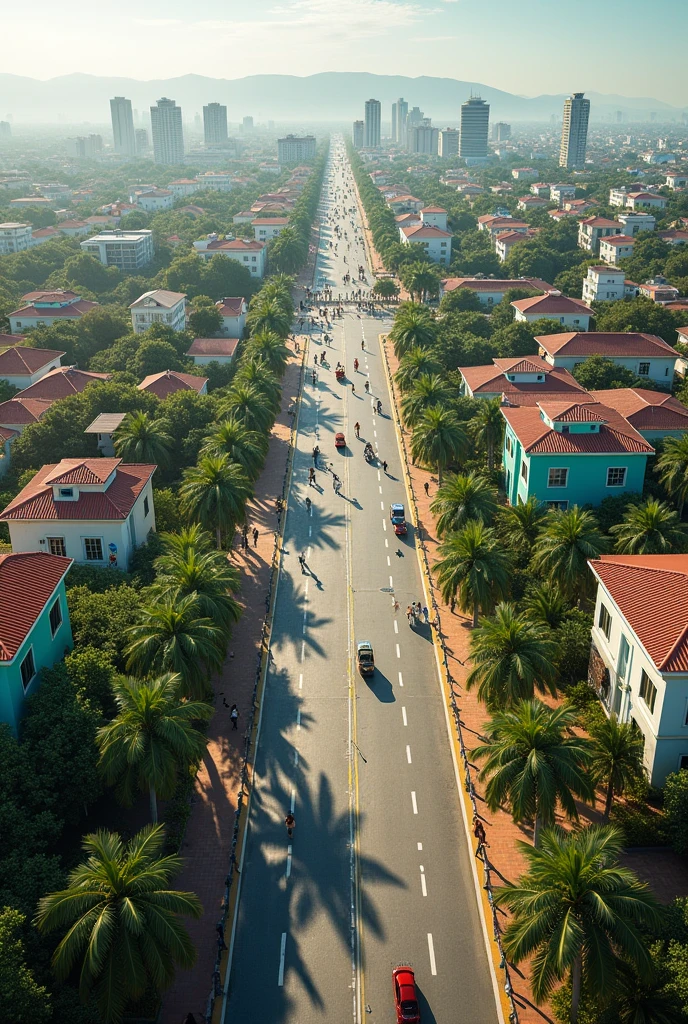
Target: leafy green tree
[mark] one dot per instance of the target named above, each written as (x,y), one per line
(519,525)
(472,569)
(155,357)
(575,910)
(100,619)
(84,271)
(91,673)
(421,280)
(152,734)
(385,288)
(245,447)
(512,658)
(108,896)
(214,493)
(205,320)
(652,528)
(463,497)
(288,252)
(597,373)
(167,515)
(142,439)
(418,362)
(426,391)
(567,541)
(413,327)
(533,765)
(672,466)
(268,348)
(617,758)
(503,313)
(488,428)
(21,997)
(253,373)
(640,314)
(676,808)
(461,300)
(437,439)
(268,315)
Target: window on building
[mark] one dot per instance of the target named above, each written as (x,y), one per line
(557,478)
(648,690)
(557,506)
(66,492)
(27,669)
(55,617)
(146,507)
(56,546)
(604,621)
(683,762)
(93,549)
(524,471)
(643,369)
(616,476)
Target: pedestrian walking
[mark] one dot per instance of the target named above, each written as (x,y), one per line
(335,481)
(357,428)
(311,477)
(315,378)
(426,487)
(220,929)
(234,715)
(290,822)
(479,832)
(418,611)
(308,505)
(426,615)
(353,389)
(255,536)
(384,466)
(302,563)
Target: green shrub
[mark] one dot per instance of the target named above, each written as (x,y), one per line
(676,808)
(640,824)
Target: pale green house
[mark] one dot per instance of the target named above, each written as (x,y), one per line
(34,625)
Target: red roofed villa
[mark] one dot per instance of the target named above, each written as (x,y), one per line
(44,307)
(22,366)
(169,381)
(554,306)
(644,354)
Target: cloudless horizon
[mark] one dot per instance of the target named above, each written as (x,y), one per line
(529,50)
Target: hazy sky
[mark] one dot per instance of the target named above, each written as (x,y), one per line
(625,46)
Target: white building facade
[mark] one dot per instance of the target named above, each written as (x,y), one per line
(159,307)
(127,250)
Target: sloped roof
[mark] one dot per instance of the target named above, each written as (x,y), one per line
(615,436)
(213,347)
(492,379)
(62,382)
(605,343)
(106,423)
(81,471)
(73,309)
(645,410)
(487,284)
(651,592)
(429,231)
(36,501)
(160,296)
(166,383)
(21,411)
(27,580)
(231,305)
(558,304)
(20,360)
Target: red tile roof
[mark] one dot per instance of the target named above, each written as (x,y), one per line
(82,471)
(645,410)
(6,434)
(605,343)
(60,295)
(618,240)
(651,591)
(21,411)
(270,220)
(600,222)
(433,209)
(492,379)
(74,310)
(556,304)
(486,284)
(61,382)
(27,581)
(615,435)
(166,383)
(213,347)
(236,243)
(420,231)
(36,501)
(231,305)
(10,340)
(20,360)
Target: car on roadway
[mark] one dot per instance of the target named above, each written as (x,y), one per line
(398,517)
(339,440)
(405,996)
(365,659)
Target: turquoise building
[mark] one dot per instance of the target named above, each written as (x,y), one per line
(567,453)
(34,625)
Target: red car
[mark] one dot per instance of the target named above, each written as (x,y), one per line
(339,441)
(405,996)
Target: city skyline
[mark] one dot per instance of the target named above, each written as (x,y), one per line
(348,39)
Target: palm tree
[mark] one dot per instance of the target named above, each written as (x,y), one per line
(672,466)
(420,280)
(123,920)
(214,493)
(256,374)
(568,539)
(617,757)
(189,538)
(650,529)
(173,637)
(488,427)
(462,497)
(575,910)
(413,327)
(152,733)
(545,603)
(428,390)
(142,439)
(512,658)
(521,524)
(205,575)
(245,447)
(246,404)
(268,313)
(269,349)
(416,363)
(289,250)
(532,765)
(473,569)
(437,439)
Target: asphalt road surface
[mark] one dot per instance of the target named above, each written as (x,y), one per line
(378,871)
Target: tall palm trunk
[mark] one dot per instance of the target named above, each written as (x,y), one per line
(609,800)
(537,830)
(490,454)
(153,804)
(439,473)
(218,537)
(476,613)
(576,974)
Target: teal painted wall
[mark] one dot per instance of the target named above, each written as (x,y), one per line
(47,649)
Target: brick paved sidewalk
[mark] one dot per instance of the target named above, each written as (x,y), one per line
(207,844)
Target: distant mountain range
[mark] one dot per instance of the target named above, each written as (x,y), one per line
(332,96)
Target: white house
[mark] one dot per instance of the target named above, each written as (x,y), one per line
(605,284)
(503,242)
(170,381)
(74,228)
(183,187)
(265,228)
(639,654)
(15,237)
(218,180)
(646,355)
(104,427)
(593,229)
(436,243)
(92,510)
(676,179)
(634,223)
(435,217)
(491,290)
(127,250)
(554,306)
(154,199)
(159,307)
(23,366)
(558,193)
(212,350)
(233,310)
(617,248)
(48,307)
(251,254)
(645,201)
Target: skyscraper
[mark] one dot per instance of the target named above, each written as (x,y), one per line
(475,122)
(214,124)
(423,138)
(574,131)
(402,111)
(372,124)
(359,134)
(123,126)
(394,123)
(166,128)
(448,142)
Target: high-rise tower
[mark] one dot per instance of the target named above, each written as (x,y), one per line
(574,131)
(123,126)
(168,137)
(475,122)
(214,124)
(372,124)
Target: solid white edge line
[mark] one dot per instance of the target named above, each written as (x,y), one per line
(283,947)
